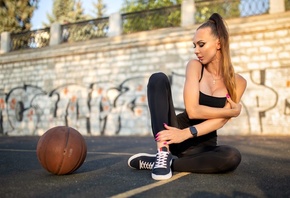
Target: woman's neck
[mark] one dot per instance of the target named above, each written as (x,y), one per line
(214,67)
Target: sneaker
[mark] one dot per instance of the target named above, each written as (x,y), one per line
(142,161)
(162,166)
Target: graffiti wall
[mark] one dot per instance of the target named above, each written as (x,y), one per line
(120,108)
(103,108)
(99,86)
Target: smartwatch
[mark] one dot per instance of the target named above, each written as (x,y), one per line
(193,131)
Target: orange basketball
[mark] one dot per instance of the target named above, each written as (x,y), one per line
(61,150)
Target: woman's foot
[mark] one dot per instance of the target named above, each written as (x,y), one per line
(142,161)
(162,165)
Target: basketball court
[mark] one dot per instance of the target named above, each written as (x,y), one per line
(263,172)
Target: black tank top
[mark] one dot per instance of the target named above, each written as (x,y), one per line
(210,101)
(204,99)
(184,121)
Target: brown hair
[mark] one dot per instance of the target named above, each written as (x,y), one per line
(219,30)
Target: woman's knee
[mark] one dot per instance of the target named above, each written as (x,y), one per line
(234,158)
(158,78)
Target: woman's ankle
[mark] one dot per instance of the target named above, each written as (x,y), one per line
(162,144)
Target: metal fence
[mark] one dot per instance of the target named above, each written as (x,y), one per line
(85,30)
(30,39)
(229,8)
(142,20)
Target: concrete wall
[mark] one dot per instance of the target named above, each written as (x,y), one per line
(99,86)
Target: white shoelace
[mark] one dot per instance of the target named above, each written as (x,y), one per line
(161,159)
(145,165)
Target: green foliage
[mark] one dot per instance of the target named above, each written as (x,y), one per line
(66,11)
(141,5)
(150,14)
(227,9)
(99,9)
(287,4)
(76,26)
(16,15)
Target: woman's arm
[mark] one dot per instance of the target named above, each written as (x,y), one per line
(191,97)
(175,135)
(214,124)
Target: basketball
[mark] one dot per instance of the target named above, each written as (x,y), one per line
(61,150)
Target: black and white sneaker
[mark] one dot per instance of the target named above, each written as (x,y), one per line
(142,161)
(162,165)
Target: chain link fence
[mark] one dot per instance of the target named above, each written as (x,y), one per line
(287,5)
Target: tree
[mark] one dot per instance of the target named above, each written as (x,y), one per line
(75,26)
(78,12)
(141,5)
(99,9)
(66,11)
(227,9)
(143,15)
(16,15)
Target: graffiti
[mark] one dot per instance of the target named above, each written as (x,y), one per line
(261,97)
(264,110)
(112,108)
(287,107)
(100,109)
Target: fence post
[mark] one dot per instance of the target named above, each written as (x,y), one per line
(187,13)
(115,24)
(55,34)
(5,42)
(277,6)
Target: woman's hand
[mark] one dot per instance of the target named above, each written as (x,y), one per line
(237,107)
(172,135)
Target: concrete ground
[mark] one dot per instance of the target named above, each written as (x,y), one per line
(263,172)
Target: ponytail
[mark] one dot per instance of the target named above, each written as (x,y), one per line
(219,30)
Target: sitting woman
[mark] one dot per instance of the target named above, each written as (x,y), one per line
(212,92)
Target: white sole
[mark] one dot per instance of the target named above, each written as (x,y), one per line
(162,177)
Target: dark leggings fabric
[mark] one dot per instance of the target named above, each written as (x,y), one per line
(198,155)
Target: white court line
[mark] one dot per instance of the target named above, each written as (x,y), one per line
(150,186)
(17,150)
(130,192)
(90,152)
(109,153)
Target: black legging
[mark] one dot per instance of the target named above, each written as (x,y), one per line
(198,155)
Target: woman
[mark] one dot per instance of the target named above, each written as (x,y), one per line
(212,92)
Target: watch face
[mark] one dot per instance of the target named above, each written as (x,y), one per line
(193,131)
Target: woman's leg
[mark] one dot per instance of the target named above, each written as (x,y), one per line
(160,102)
(162,111)
(212,159)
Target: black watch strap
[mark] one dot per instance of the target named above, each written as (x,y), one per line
(193,131)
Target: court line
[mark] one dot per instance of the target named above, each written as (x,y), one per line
(130,192)
(17,150)
(89,152)
(149,186)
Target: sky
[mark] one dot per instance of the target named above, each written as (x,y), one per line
(45,6)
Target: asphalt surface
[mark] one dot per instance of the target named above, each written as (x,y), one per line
(263,172)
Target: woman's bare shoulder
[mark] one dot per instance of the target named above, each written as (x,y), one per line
(240,79)
(193,62)
(241,83)
(193,65)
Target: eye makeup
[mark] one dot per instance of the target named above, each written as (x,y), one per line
(199,43)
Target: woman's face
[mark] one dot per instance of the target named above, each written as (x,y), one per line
(206,45)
